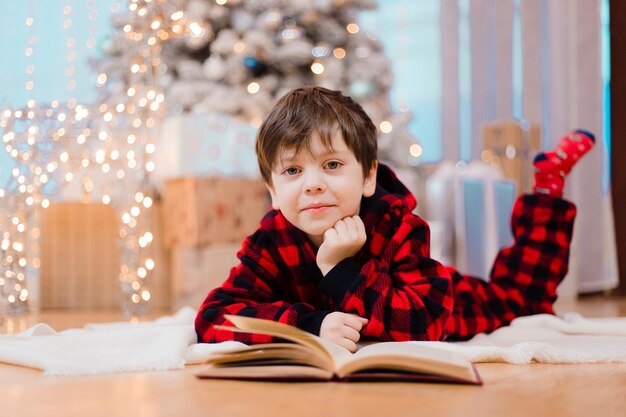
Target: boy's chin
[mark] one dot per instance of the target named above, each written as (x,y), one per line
(315,235)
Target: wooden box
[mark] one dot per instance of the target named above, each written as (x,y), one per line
(196,271)
(512,147)
(203,211)
(80,258)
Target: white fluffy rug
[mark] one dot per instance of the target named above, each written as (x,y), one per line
(170,343)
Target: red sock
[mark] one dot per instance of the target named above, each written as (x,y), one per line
(551,167)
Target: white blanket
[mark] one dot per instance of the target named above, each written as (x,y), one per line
(169,343)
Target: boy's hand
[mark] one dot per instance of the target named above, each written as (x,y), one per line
(342,329)
(341,241)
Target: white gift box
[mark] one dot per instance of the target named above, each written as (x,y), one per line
(470,209)
(205,144)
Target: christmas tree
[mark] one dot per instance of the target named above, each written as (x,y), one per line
(239,56)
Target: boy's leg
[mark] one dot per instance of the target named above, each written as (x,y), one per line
(551,167)
(525,275)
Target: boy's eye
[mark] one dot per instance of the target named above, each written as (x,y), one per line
(333,164)
(291,171)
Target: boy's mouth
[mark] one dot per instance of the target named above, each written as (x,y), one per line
(316,207)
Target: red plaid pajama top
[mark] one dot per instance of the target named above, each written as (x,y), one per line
(392,281)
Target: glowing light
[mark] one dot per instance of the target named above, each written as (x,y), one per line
(100,156)
(196,29)
(352,28)
(102,79)
(385,126)
(510,152)
(317,68)
(253,87)
(149,264)
(339,53)
(415,150)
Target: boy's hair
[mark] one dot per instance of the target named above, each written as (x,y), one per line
(307,110)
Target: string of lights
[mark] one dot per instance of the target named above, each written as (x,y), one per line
(108,146)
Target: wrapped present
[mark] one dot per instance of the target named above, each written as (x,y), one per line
(80,258)
(195,272)
(468,208)
(512,146)
(483,212)
(205,144)
(202,211)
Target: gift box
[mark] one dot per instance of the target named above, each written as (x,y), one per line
(80,258)
(512,146)
(205,144)
(202,211)
(483,212)
(196,271)
(468,208)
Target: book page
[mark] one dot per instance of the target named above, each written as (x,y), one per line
(408,357)
(332,353)
(270,353)
(279,372)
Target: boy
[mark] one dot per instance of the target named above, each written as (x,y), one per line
(341,255)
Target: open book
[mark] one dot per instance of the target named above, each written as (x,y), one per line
(305,356)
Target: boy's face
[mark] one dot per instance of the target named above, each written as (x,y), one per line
(316,189)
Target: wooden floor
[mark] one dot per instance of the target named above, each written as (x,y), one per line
(509,390)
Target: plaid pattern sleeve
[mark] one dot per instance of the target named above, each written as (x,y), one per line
(404,293)
(259,287)
(524,276)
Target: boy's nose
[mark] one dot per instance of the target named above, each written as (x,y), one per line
(313,184)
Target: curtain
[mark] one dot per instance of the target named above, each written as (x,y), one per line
(558,83)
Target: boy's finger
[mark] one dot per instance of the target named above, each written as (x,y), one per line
(355,321)
(350,333)
(330,234)
(352,226)
(358,222)
(348,344)
(341,228)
